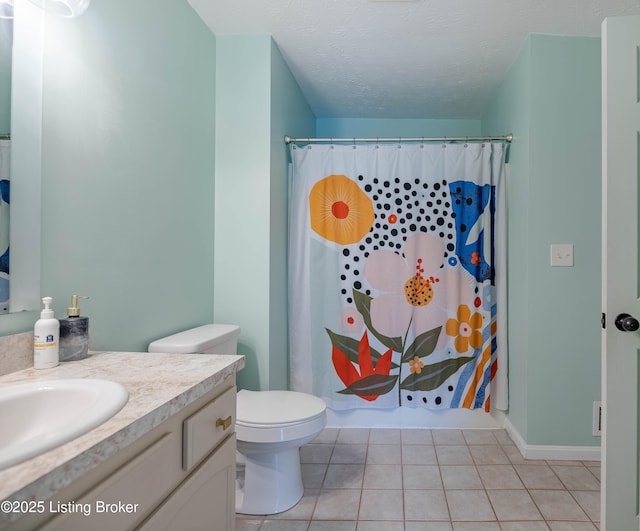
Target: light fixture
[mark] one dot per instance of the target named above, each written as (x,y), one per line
(6,8)
(64,8)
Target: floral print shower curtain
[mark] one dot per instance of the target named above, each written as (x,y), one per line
(397,275)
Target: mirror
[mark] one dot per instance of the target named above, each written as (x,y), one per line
(6,45)
(26,154)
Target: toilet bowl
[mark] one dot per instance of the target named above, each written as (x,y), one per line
(271,426)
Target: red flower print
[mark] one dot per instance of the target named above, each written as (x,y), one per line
(350,375)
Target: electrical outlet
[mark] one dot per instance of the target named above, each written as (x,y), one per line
(597,419)
(562,255)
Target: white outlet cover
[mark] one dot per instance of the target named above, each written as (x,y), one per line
(562,255)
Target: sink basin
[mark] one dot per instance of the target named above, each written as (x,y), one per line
(40,415)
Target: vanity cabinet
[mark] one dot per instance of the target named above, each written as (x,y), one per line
(205,501)
(180,475)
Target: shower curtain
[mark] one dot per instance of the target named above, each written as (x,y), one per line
(5,151)
(397,275)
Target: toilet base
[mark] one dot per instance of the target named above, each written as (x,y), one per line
(272,482)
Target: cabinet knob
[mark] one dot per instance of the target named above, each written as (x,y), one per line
(225,423)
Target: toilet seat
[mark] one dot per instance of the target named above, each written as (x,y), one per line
(275,416)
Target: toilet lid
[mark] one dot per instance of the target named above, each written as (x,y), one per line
(277,407)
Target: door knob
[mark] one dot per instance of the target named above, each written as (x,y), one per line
(627,323)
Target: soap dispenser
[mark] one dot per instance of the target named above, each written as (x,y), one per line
(46,333)
(74,333)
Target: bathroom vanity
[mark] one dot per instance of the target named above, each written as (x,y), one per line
(165,461)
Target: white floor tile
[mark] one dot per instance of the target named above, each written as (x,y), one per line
(364,479)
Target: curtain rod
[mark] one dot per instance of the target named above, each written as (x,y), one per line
(505,138)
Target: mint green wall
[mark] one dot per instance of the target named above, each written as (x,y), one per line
(374,127)
(566,169)
(258,101)
(290,115)
(241,270)
(510,111)
(554,197)
(127,169)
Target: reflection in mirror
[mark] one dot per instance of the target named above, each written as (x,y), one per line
(26,167)
(6,9)
(6,41)
(64,8)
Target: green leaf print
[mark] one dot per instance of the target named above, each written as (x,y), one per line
(371,386)
(433,376)
(423,345)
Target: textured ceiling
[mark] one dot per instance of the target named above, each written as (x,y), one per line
(404,59)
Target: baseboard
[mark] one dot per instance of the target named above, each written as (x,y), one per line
(560,453)
(406,417)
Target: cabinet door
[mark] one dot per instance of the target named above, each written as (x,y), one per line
(205,500)
(125,498)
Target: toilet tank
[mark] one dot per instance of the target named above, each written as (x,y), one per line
(206,339)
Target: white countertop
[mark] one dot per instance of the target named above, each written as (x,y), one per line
(159,386)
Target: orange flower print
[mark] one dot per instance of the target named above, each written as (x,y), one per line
(466,329)
(340,211)
(415,365)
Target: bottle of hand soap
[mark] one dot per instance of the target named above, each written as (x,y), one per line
(74,333)
(46,335)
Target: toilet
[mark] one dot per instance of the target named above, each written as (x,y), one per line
(271,426)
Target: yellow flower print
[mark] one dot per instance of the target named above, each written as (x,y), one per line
(415,365)
(340,211)
(466,329)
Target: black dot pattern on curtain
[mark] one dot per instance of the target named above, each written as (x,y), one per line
(401,207)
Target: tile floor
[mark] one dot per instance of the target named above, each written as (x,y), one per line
(434,480)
